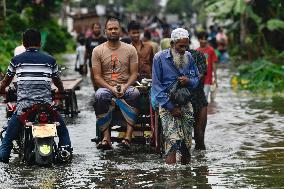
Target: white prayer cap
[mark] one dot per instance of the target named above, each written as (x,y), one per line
(179,33)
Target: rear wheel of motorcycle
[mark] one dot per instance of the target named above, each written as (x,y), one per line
(26,148)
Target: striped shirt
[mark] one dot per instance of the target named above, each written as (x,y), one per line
(34,71)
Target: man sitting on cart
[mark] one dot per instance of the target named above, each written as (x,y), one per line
(115,67)
(169,66)
(35,71)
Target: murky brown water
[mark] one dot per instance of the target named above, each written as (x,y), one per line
(245,149)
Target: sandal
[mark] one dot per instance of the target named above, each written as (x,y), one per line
(104,145)
(125,143)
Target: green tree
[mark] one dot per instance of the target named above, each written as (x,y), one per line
(142,6)
(254,24)
(29,13)
(182,7)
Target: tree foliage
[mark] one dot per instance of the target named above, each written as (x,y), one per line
(254,24)
(182,7)
(32,14)
(256,29)
(142,6)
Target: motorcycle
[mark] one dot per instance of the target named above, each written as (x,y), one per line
(36,140)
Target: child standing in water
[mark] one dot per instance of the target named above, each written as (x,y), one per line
(210,82)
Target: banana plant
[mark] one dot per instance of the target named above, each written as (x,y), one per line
(250,19)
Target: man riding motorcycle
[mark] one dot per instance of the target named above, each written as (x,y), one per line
(35,71)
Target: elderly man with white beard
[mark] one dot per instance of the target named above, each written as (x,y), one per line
(169,66)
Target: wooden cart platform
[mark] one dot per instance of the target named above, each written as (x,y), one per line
(67,103)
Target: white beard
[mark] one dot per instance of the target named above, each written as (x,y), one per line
(179,60)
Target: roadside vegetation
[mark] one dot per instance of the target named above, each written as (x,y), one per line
(256,34)
(21,15)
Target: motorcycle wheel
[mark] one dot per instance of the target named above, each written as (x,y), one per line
(26,147)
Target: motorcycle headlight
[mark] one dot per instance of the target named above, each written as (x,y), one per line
(45,149)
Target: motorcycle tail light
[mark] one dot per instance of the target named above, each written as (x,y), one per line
(43,118)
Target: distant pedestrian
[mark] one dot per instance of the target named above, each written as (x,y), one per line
(210,81)
(212,36)
(80,64)
(166,41)
(93,41)
(148,39)
(144,51)
(124,36)
(222,45)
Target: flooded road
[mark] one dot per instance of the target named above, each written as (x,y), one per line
(245,149)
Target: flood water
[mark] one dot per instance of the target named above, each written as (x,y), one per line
(244,139)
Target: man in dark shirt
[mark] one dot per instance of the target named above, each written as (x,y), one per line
(199,102)
(35,71)
(124,36)
(91,42)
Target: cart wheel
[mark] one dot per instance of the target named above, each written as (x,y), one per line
(67,103)
(156,132)
(161,137)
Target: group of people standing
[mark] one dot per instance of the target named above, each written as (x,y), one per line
(114,67)
(117,65)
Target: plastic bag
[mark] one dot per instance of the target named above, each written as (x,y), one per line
(179,94)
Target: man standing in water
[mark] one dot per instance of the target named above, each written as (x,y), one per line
(169,66)
(115,66)
(198,98)
(199,102)
(94,40)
